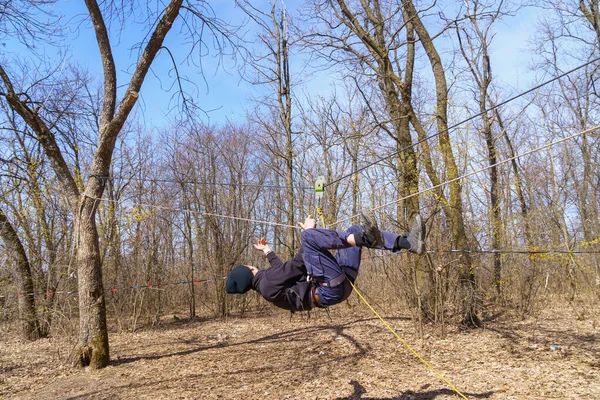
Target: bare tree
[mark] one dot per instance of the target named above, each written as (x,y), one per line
(224,182)
(322,124)
(454,210)
(475,37)
(271,66)
(570,33)
(29,21)
(591,12)
(38,210)
(377,42)
(93,348)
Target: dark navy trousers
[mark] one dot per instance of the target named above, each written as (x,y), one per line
(323,265)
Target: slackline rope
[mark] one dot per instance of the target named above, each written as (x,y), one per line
(319,193)
(475,172)
(494,107)
(406,344)
(198,212)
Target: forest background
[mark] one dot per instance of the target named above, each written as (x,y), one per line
(145,146)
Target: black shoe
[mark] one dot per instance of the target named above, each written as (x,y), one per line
(416,237)
(370,235)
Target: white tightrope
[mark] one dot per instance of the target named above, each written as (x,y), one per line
(373,209)
(199,212)
(474,172)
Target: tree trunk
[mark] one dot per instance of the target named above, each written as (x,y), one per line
(395,92)
(592,13)
(455,209)
(478,60)
(285,108)
(28,322)
(92,347)
(273,69)
(409,155)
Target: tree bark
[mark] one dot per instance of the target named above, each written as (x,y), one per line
(591,12)
(272,68)
(285,108)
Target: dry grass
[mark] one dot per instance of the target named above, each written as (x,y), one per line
(351,356)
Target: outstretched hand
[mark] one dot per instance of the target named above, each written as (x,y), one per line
(261,245)
(309,223)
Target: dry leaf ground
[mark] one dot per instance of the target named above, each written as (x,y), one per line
(351,356)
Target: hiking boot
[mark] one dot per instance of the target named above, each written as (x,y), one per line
(416,237)
(370,235)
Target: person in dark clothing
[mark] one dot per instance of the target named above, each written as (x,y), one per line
(315,277)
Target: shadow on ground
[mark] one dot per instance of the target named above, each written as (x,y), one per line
(290,335)
(423,394)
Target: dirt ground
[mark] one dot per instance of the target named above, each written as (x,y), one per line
(350,356)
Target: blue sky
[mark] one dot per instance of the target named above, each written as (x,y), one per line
(223,91)
(228,95)
(511,55)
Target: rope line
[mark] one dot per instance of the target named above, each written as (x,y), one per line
(413,351)
(200,212)
(198,183)
(115,290)
(495,251)
(394,331)
(491,251)
(532,252)
(475,172)
(463,121)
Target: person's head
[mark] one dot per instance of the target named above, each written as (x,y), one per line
(240,279)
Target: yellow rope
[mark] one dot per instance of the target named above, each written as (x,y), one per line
(320,213)
(406,344)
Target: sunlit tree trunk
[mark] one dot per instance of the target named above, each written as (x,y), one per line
(475,50)
(395,88)
(454,210)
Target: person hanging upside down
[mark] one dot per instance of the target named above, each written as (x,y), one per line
(315,277)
